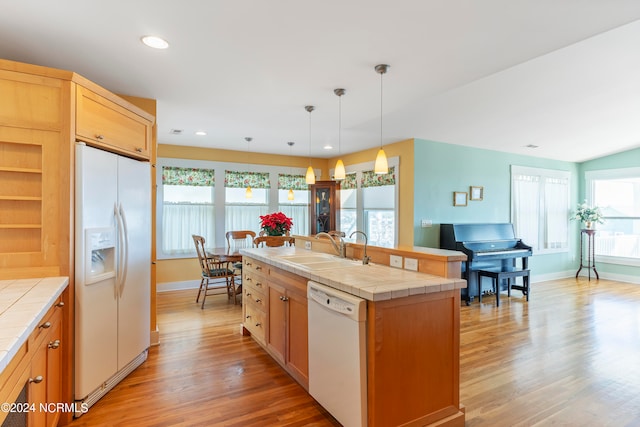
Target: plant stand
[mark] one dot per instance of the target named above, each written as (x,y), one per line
(591,258)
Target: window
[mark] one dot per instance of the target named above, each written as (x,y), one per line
(187,208)
(378,202)
(242,213)
(298,208)
(540,208)
(368,202)
(349,204)
(617,193)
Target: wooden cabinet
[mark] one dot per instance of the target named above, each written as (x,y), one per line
(105,124)
(324,207)
(34,194)
(254,299)
(37,367)
(45,382)
(284,330)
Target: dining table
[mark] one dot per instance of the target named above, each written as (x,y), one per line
(225,254)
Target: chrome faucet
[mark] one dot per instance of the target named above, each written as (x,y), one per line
(365,258)
(340,249)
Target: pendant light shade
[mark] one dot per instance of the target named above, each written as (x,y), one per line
(311,176)
(248,194)
(381,165)
(339,173)
(290,196)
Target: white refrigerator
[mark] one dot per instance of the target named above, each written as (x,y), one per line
(112,270)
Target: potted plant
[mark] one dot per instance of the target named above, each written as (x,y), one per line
(588,214)
(275,224)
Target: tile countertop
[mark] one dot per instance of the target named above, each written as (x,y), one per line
(23,304)
(372,282)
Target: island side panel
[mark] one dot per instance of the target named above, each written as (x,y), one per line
(414,360)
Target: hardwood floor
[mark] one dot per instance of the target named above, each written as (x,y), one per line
(568,357)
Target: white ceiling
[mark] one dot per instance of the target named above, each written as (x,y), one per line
(497,74)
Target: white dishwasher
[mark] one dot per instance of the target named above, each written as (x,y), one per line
(337,353)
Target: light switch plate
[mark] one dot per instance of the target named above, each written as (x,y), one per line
(395,261)
(426,223)
(411,264)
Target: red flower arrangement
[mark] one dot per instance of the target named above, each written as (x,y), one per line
(275,224)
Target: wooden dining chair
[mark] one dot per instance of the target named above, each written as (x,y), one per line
(273,241)
(215,274)
(236,240)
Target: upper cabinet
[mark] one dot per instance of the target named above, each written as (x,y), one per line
(103,123)
(43,111)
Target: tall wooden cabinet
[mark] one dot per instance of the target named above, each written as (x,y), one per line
(43,112)
(324,206)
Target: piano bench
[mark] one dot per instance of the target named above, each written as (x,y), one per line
(498,276)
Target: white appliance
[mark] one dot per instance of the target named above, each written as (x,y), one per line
(112,270)
(337,353)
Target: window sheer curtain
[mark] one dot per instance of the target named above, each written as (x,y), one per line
(245,215)
(539,208)
(297,209)
(526,207)
(180,221)
(188,211)
(556,194)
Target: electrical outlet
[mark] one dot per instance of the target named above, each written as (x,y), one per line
(426,223)
(411,264)
(395,261)
(307,244)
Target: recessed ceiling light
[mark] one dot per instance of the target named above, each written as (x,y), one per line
(155,42)
(176,131)
(201,133)
(531,146)
(328,147)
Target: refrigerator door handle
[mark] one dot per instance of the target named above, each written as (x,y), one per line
(125,247)
(119,246)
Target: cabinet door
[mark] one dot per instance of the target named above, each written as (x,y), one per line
(54,371)
(298,348)
(276,332)
(37,392)
(106,124)
(324,207)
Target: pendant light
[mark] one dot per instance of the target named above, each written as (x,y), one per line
(290,195)
(311,176)
(248,194)
(339,173)
(381,165)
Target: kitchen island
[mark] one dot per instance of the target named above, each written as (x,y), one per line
(412,329)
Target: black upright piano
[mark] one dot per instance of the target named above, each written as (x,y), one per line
(488,247)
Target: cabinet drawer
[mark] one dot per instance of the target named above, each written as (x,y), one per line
(255,299)
(254,281)
(51,321)
(254,267)
(254,323)
(106,124)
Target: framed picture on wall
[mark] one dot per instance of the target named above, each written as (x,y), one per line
(476,193)
(459,198)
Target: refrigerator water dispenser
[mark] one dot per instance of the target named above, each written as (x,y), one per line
(100,244)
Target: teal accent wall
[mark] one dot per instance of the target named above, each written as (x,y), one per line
(626,159)
(441,169)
